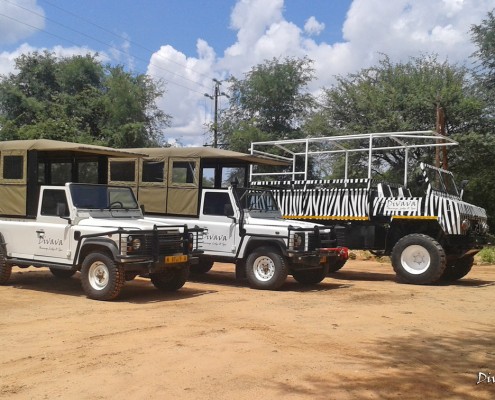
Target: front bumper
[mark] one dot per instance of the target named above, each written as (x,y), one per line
(320,257)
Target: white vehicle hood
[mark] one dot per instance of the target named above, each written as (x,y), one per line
(278,222)
(125,223)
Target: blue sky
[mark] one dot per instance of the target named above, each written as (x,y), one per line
(187,43)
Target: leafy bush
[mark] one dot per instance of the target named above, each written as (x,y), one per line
(487,255)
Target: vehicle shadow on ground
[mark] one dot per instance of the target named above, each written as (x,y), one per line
(354,275)
(137,291)
(415,366)
(227,278)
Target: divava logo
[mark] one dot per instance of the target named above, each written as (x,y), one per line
(401,205)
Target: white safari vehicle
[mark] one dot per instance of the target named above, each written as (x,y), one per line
(99,231)
(87,227)
(242,226)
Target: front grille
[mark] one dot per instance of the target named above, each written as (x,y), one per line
(322,240)
(167,243)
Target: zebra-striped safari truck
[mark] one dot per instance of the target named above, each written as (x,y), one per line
(242,226)
(424,225)
(88,227)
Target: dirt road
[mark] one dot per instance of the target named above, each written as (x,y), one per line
(358,335)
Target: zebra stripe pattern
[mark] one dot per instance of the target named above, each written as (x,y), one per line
(316,199)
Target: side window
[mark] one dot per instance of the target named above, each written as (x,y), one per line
(54,203)
(216,203)
(88,171)
(13,167)
(122,171)
(183,172)
(153,171)
(208,177)
(61,173)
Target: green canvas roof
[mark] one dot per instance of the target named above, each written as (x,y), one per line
(207,153)
(55,145)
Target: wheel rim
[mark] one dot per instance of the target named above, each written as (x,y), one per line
(98,275)
(264,268)
(415,259)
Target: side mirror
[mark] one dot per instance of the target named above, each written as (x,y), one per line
(62,211)
(463,184)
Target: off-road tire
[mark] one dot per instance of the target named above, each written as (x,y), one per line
(310,276)
(101,277)
(203,266)
(458,270)
(335,264)
(5,269)
(171,280)
(418,259)
(266,269)
(62,273)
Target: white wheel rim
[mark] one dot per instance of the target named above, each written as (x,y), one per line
(98,275)
(415,259)
(264,268)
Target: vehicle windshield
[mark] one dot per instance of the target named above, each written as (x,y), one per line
(442,181)
(259,200)
(100,197)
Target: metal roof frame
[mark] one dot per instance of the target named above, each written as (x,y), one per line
(365,142)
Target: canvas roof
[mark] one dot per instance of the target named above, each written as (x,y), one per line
(55,145)
(207,153)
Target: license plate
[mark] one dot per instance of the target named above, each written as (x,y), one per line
(175,259)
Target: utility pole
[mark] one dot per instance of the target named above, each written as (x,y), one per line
(441,152)
(216,95)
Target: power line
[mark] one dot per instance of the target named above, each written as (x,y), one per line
(122,37)
(99,41)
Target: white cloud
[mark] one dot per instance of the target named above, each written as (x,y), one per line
(313,27)
(400,28)
(19,19)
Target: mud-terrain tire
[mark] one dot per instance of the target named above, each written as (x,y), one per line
(62,273)
(311,276)
(335,264)
(101,277)
(5,269)
(170,280)
(266,269)
(458,270)
(203,266)
(418,259)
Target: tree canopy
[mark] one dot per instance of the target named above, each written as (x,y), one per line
(79,99)
(269,103)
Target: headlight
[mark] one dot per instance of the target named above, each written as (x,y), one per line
(191,242)
(133,243)
(465,224)
(298,241)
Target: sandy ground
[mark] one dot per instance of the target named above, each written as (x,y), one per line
(358,335)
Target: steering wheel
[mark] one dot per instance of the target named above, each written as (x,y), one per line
(116,203)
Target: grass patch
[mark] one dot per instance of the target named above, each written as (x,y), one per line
(487,255)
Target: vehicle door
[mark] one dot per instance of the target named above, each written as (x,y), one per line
(220,218)
(53,230)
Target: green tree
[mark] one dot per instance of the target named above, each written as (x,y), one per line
(270,103)
(79,99)
(400,96)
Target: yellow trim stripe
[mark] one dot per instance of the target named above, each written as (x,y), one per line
(413,217)
(325,217)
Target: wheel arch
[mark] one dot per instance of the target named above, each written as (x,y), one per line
(255,242)
(101,245)
(402,227)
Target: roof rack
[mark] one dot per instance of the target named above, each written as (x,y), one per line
(292,150)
